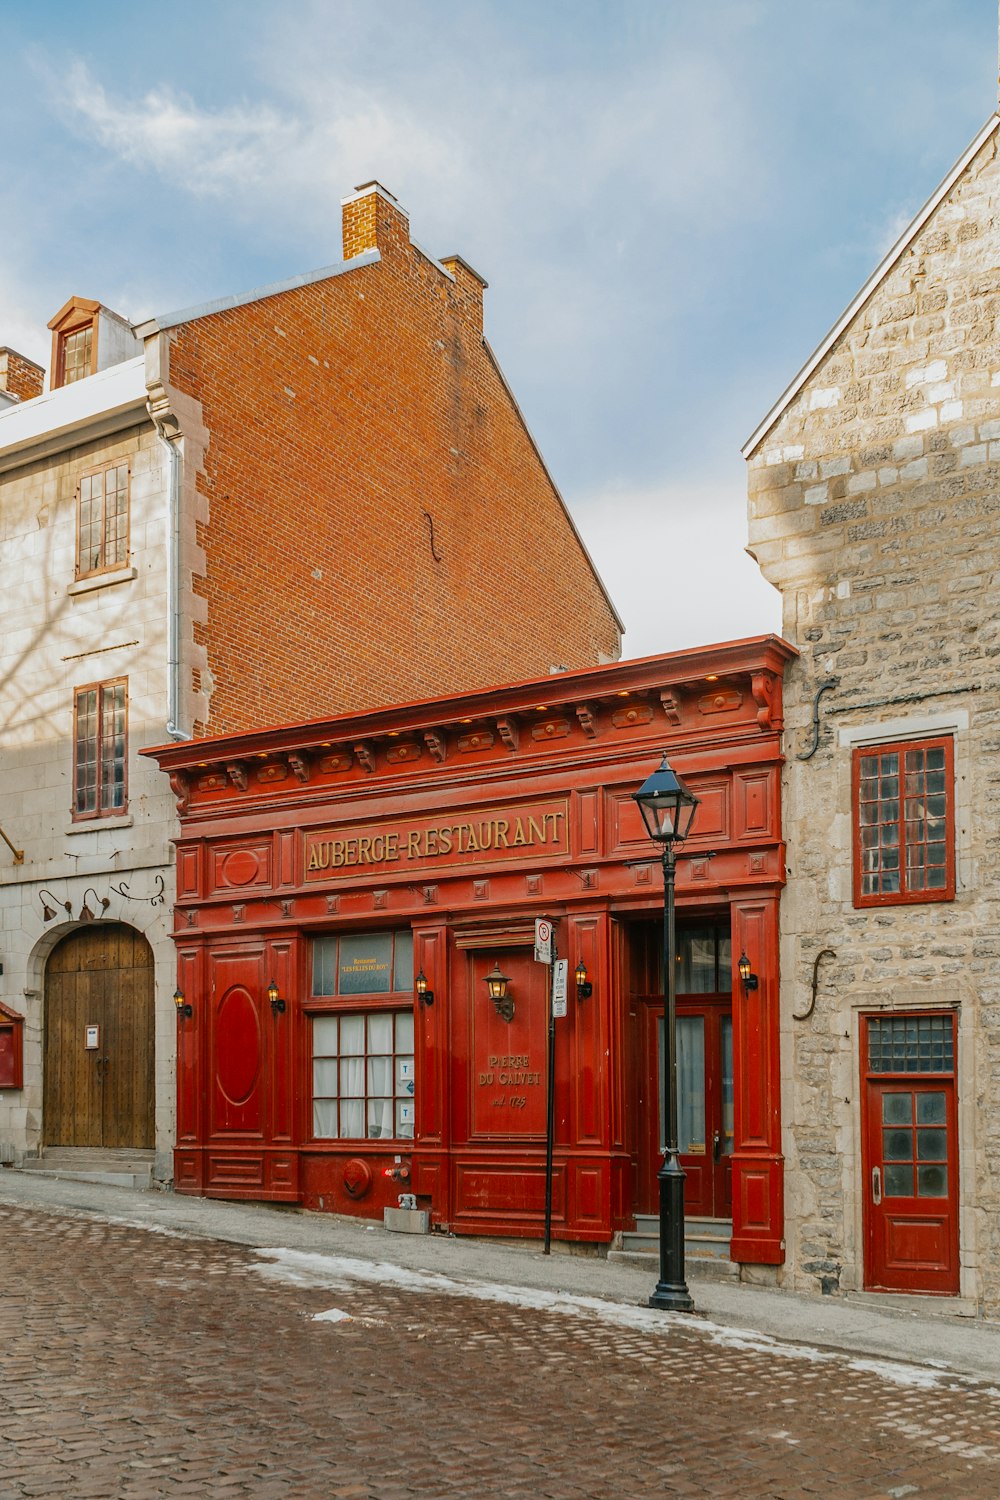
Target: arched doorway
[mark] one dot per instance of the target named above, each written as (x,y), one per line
(99,1039)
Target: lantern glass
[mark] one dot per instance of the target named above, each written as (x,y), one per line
(666,805)
(497,982)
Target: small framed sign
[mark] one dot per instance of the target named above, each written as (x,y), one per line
(92,1038)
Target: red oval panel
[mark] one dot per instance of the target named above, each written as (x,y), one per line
(240,867)
(237,1044)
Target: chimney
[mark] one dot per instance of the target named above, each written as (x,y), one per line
(469,289)
(372,220)
(20,377)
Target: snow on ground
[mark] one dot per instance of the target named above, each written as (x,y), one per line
(339,1273)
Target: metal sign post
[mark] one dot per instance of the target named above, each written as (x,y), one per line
(545,952)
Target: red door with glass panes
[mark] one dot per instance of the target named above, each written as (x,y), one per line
(910,1153)
(704,1076)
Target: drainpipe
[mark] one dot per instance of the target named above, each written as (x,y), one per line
(173,584)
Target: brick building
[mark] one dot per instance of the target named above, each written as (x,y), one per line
(295,502)
(874,494)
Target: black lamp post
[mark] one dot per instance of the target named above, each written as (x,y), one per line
(667,809)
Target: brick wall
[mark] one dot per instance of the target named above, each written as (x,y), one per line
(380,527)
(873,507)
(20,375)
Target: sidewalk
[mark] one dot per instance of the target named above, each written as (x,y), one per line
(910,1331)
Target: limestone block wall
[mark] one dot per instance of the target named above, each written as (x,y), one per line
(57,634)
(873,507)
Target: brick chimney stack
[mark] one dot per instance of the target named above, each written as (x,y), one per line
(20,377)
(373,219)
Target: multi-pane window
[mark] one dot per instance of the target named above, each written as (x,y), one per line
(77,350)
(363,1062)
(911,1044)
(100,747)
(904,844)
(363,1076)
(102,520)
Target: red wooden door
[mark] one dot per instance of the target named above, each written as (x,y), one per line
(704,1104)
(910,1155)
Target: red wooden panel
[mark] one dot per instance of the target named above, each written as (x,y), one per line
(588,1196)
(191,1033)
(506,1071)
(506,1192)
(754,804)
(11,1055)
(188,871)
(431,1034)
(286,857)
(236,1044)
(187,1171)
(235,867)
(581,1052)
(586,807)
(280,965)
(235,1171)
(757,1182)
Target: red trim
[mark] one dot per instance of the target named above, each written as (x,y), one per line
(904,897)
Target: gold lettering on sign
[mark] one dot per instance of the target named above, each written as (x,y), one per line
(354,850)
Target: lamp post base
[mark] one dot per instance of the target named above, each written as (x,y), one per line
(671,1293)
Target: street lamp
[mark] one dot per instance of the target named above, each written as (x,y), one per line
(667,809)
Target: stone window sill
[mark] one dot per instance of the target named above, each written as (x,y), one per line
(102,580)
(98,825)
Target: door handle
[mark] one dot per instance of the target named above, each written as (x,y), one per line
(876,1184)
(716,1146)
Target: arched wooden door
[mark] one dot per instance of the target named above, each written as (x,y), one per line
(99,1039)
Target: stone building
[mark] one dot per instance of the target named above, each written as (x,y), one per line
(296,502)
(874,493)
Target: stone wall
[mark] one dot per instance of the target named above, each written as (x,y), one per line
(873,508)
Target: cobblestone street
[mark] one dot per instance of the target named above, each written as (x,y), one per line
(147,1364)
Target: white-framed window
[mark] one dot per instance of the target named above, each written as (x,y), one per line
(363,1082)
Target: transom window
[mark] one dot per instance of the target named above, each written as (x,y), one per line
(911,1044)
(100,742)
(904,844)
(102,520)
(363,963)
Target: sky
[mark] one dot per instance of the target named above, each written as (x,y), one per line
(672,201)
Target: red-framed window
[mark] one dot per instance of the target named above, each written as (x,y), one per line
(102,518)
(903,805)
(100,750)
(362,1042)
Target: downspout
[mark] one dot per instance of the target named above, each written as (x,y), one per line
(173,585)
(158,404)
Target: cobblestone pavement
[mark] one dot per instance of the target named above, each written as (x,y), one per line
(137,1364)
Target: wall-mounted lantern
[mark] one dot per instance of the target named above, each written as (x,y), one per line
(584,988)
(747,975)
(273,995)
(48,912)
(496,985)
(86,912)
(424,995)
(184,1007)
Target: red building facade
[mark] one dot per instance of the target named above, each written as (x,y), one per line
(321,868)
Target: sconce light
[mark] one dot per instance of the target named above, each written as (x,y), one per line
(584,988)
(424,995)
(184,1007)
(48,912)
(496,984)
(86,914)
(277,1004)
(747,974)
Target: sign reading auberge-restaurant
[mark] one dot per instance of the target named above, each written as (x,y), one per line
(507,833)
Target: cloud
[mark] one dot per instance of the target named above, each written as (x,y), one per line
(671,556)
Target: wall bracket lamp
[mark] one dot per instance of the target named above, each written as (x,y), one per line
(274,996)
(424,995)
(48,912)
(184,1007)
(496,984)
(86,912)
(584,988)
(747,975)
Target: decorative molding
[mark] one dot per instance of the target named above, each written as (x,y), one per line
(339,762)
(638,713)
(239,912)
(533,885)
(397,754)
(551,729)
(587,715)
(481,890)
(237,773)
(763,687)
(480,739)
(273,772)
(180,785)
(509,732)
(722,701)
(672,701)
(332,905)
(300,765)
(437,743)
(365,755)
(379,900)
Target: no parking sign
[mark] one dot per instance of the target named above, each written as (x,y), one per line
(543,940)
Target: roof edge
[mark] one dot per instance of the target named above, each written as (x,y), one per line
(874,281)
(160,324)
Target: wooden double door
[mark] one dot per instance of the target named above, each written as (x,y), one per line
(98,1052)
